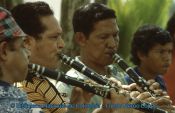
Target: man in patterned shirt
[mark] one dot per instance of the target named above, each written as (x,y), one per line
(45,42)
(13,65)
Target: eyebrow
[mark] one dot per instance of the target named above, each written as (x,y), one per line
(55,34)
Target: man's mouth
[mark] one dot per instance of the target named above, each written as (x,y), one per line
(110,53)
(166,65)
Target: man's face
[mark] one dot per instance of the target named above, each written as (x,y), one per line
(158,59)
(45,51)
(16,64)
(102,42)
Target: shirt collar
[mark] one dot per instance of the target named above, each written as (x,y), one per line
(3,83)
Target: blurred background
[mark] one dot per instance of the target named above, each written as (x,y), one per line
(130,15)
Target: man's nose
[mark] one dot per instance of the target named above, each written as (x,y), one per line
(113,42)
(60,43)
(28,52)
(167,56)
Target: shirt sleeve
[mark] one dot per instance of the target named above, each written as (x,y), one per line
(42,92)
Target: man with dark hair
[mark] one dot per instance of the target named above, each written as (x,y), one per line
(151,52)
(45,42)
(170,27)
(96,32)
(13,65)
(170,75)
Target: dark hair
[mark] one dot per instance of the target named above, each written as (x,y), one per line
(86,16)
(28,16)
(145,38)
(171,27)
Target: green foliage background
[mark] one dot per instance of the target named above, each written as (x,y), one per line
(131,14)
(8,4)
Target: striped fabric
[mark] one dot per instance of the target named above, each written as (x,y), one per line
(42,91)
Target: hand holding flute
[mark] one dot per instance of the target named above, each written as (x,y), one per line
(150,85)
(58,76)
(93,75)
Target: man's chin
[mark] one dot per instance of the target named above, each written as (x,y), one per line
(163,71)
(55,66)
(105,63)
(58,64)
(20,79)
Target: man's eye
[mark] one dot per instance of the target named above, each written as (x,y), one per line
(104,37)
(115,35)
(161,51)
(54,36)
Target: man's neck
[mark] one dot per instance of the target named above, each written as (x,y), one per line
(145,73)
(7,80)
(7,76)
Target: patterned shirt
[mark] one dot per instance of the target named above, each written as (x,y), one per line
(12,100)
(41,91)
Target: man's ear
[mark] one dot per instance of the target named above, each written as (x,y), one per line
(80,38)
(3,50)
(29,42)
(141,55)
